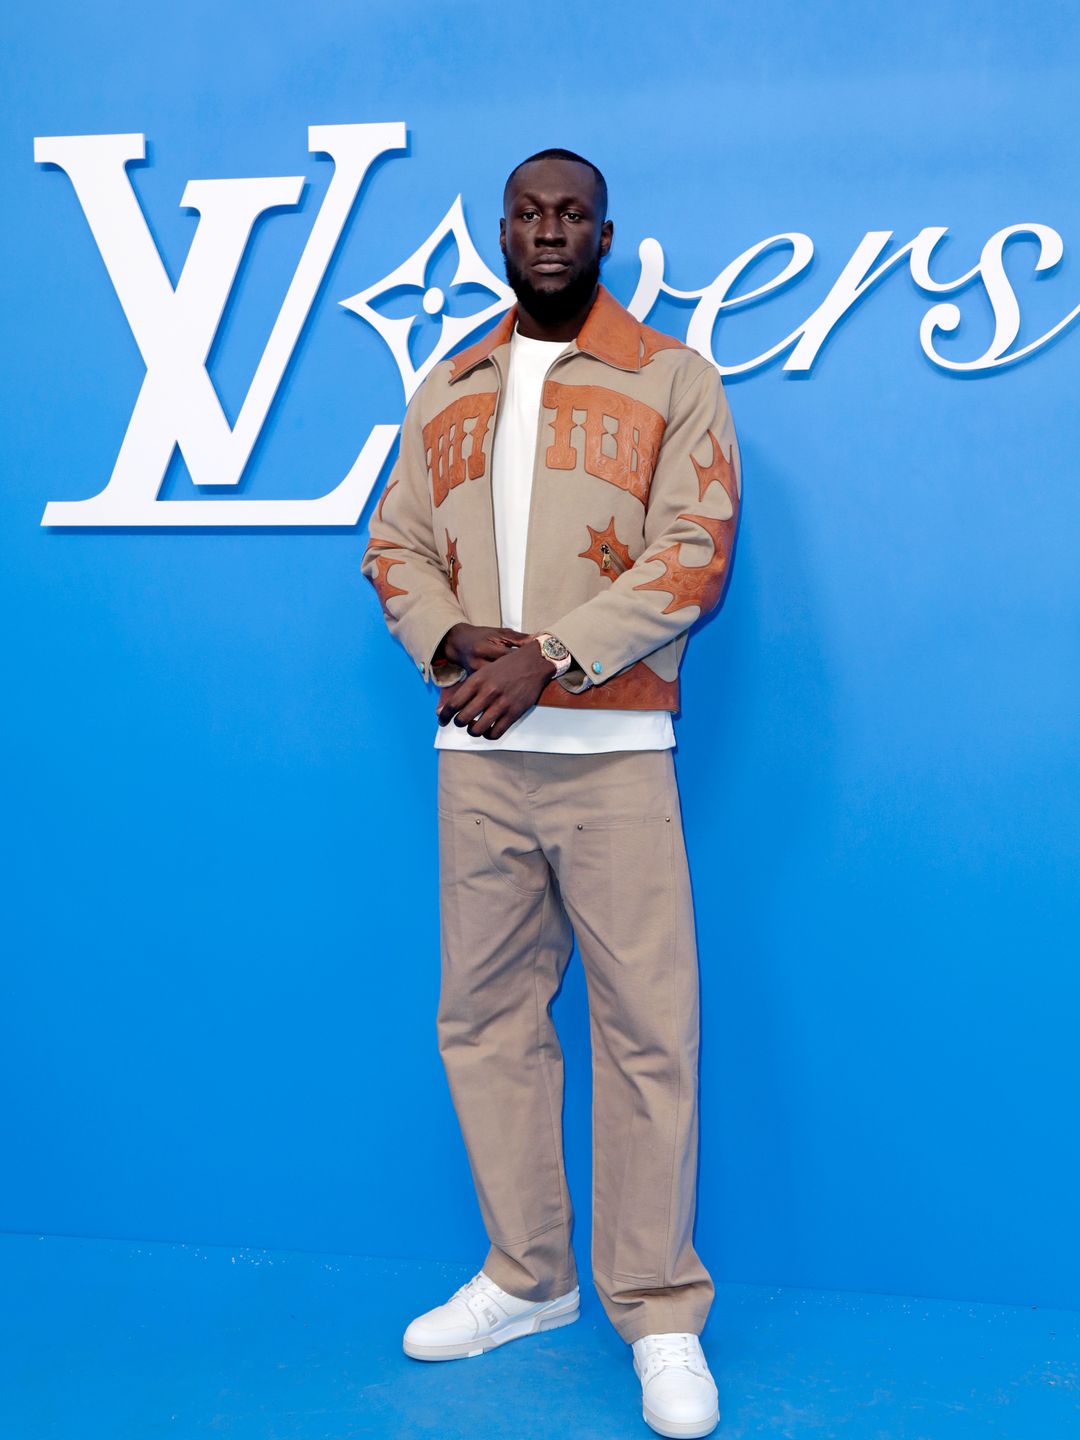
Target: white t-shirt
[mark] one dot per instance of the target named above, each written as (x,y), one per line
(550,728)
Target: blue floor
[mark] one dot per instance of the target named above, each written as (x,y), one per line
(132,1339)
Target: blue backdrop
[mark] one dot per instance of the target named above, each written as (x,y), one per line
(220,915)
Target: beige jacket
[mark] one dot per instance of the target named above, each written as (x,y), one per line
(633,514)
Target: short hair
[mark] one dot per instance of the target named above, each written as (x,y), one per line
(555,153)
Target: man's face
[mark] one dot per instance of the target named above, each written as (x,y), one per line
(553,237)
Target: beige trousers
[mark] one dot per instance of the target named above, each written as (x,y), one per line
(535,849)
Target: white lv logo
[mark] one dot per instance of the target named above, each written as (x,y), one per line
(175,329)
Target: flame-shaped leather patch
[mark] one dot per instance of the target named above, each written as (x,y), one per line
(720,468)
(382,497)
(699,585)
(605,547)
(453,564)
(385,587)
(376,544)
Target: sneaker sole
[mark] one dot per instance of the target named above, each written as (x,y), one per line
(681,1429)
(515,1330)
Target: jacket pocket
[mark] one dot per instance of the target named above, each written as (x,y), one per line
(610,562)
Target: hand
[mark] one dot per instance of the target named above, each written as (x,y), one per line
(474,645)
(488,701)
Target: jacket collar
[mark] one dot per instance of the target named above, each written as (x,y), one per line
(610,333)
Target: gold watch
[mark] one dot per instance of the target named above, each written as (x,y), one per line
(555,651)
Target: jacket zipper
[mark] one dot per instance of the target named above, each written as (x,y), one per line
(611,561)
(491,489)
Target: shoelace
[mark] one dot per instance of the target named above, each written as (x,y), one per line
(480,1297)
(673,1350)
(480,1283)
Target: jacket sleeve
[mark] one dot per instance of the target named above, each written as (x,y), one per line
(691,521)
(403,562)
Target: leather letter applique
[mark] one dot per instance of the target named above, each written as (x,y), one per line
(454,440)
(607,550)
(453,564)
(624,454)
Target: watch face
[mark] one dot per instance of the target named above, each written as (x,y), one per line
(554,649)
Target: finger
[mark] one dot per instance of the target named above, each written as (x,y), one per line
(490,725)
(508,712)
(444,705)
(470,712)
(464,695)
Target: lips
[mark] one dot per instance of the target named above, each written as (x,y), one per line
(549,265)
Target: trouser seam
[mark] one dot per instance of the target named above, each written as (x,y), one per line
(564,1218)
(677,1049)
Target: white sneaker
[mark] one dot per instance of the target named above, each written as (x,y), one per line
(678,1394)
(480,1315)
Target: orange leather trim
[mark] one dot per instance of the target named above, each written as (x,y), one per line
(499,335)
(610,333)
(639,430)
(638,687)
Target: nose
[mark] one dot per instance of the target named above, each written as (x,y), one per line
(550,232)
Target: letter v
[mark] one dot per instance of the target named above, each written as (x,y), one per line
(175,329)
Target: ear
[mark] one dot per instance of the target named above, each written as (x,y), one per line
(502,234)
(607,234)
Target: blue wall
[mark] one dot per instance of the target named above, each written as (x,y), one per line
(220,921)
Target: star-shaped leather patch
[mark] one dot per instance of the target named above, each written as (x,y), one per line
(607,550)
(699,585)
(385,587)
(719,468)
(453,564)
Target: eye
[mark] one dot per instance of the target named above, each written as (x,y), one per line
(573,214)
(526,213)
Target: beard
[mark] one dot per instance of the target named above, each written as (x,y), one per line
(551,307)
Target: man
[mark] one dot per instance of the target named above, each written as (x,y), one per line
(564,506)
